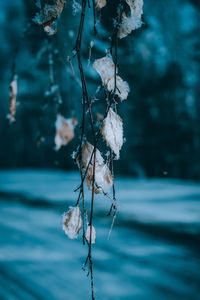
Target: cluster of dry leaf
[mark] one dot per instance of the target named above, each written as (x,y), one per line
(112,125)
(94,170)
(13,99)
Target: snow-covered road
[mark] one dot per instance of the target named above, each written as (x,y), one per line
(153,252)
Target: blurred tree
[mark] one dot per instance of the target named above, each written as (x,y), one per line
(161,121)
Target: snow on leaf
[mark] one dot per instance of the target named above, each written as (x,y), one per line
(112,131)
(133,21)
(48,14)
(100,4)
(72,222)
(93,236)
(64,130)
(13,104)
(105,67)
(103,176)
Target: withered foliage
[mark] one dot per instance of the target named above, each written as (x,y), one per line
(72,222)
(64,130)
(112,131)
(85,161)
(105,67)
(48,14)
(132,22)
(13,103)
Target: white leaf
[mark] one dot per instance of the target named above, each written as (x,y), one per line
(112,131)
(105,67)
(134,20)
(122,87)
(93,236)
(64,130)
(103,177)
(13,96)
(72,222)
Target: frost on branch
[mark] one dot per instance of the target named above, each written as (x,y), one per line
(100,4)
(103,177)
(49,12)
(72,222)
(93,237)
(134,20)
(13,103)
(64,130)
(105,67)
(112,131)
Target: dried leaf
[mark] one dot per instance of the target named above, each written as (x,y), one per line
(112,131)
(134,20)
(13,103)
(105,67)
(103,176)
(72,222)
(100,4)
(122,87)
(93,236)
(64,130)
(48,14)
(86,153)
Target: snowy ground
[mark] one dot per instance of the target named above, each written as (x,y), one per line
(153,252)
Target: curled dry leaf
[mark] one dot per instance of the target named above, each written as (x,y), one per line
(64,130)
(103,176)
(100,4)
(72,222)
(133,21)
(105,67)
(93,236)
(49,12)
(13,103)
(112,131)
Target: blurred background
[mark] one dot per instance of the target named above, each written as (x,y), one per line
(160,61)
(153,252)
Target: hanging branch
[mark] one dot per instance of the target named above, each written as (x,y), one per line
(94,171)
(86,98)
(88,157)
(114,42)
(92,159)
